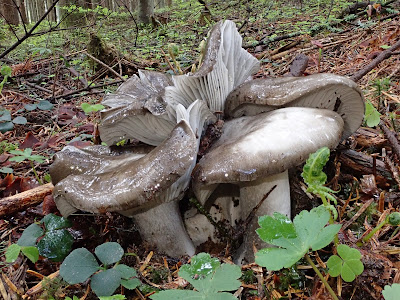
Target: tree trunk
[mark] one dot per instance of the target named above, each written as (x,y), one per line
(22,8)
(169,2)
(146,10)
(52,16)
(10,12)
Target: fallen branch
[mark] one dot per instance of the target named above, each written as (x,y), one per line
(381,57)
(21,201)
(391,136)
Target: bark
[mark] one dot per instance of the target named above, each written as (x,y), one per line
(22,8)
(9,12)
(52,15)
(146,10)
(21,201)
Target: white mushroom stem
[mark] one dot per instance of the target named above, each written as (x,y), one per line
(251,193)
(163,226)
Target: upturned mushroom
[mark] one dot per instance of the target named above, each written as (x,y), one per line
(225,66)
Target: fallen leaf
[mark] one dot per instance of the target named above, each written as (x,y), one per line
(30,141)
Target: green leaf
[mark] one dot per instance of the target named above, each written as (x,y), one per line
(6,170)
(56,244)
(5,116)
(372,116)
(20,120)
(125,271)
(7,126)
(30,107)
(109,253)
(78,266)
(113,297)
(391,292)
(284,227)
(45,105)
(17,158)
(31,252)
(310,230)
(201,265)
(53,222)
(394,218)
(88,108)
(105,282)
(130,284)
(208,277)
(312,170)
(348,264)
(12,253)
(30,235)
(6,71)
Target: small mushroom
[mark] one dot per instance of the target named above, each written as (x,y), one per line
(226,65)
(137,110)
(330,91)
(255,152)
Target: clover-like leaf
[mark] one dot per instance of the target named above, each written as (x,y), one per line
(88,108)
(105,282)
(53,222)
(78,266)
(391,292)
(30,235)
(31,252)
(56,244)
(372,116)
(12,253)
(6,170)
(6,126)
(348,264)
(109,253)
(45,105)
(311,232)
(20,120)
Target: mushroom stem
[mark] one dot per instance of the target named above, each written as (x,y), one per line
(251,193)
(163,227)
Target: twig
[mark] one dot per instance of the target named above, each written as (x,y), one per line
(381,57)
(106,66)
(83,90)
(27,35)
(391,136)
(355,217)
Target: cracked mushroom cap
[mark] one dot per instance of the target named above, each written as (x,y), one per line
(137,185)
(258,146)
(329,91)
(226,65)
(137,110)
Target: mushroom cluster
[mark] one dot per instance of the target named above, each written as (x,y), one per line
(270,125)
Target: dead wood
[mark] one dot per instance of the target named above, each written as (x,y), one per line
(381,57)
(21,201)
(362,163)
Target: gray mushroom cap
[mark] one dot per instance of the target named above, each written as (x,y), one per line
(328,91)
(269,143)
(92,160)
(138,185)
(137,110)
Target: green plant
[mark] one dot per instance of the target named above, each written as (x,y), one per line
(80,264)
(372,115)
(393,219)
(315,178)
(6,72)
(294,240)
(348,264)
(27,154)
(88,108)
(208,277)
(6,124)
(55,241)
(391,292)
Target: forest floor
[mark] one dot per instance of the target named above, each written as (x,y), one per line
(365,167)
